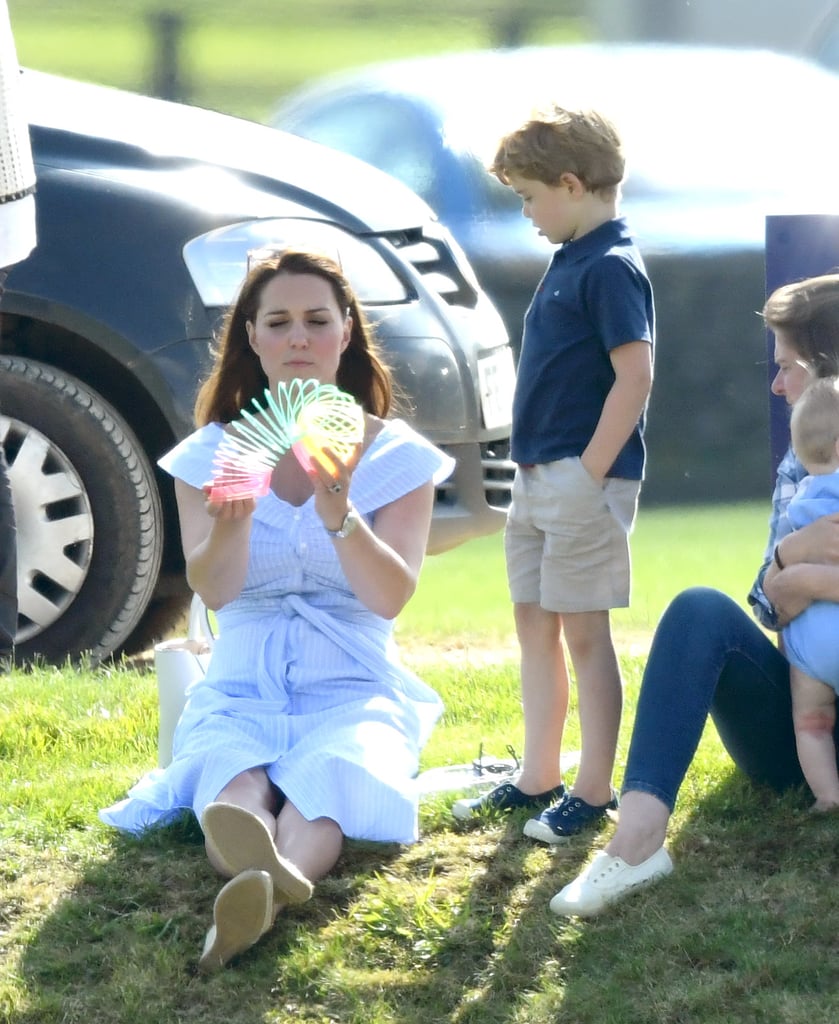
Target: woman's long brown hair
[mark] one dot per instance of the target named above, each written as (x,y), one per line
(237,377)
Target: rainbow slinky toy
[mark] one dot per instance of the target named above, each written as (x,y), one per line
(303,415)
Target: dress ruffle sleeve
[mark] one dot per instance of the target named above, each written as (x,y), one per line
(192,459)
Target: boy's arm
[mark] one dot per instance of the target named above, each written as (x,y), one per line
(623,407)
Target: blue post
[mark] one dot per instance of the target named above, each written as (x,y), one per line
(796,247)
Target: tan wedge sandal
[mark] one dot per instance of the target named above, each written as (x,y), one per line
(242,913)
(240,841)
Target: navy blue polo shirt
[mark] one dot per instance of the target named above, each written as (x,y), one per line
(594,297)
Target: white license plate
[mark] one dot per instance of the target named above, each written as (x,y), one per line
(496,380)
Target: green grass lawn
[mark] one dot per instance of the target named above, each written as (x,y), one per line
(241,59)
(98,927)
(672,548)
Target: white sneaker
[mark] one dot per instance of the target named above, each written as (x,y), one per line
(606,880)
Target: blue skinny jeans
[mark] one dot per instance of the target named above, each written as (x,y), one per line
(708,656)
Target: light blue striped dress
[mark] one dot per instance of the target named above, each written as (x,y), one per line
(304,679)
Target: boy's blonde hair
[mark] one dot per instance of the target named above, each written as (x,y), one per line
(560,141)
(815,423)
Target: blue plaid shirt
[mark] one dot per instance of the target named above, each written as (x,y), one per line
(790,474)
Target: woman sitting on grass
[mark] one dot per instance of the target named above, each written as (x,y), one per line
(306,729)
(709,656)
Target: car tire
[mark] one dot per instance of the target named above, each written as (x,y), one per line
(88,514)
(159,620)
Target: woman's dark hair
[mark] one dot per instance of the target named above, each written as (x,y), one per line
(237,376)
(808,312)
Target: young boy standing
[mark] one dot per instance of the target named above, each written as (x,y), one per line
(583,381)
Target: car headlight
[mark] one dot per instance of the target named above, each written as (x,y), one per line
(218,260)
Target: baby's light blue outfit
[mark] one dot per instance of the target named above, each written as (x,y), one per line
(304,679)
(811,640)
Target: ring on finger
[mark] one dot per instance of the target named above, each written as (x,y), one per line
(336,488)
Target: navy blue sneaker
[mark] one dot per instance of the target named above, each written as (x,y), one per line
(566,819)
(506,797)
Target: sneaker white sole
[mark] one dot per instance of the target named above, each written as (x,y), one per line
(535,829)
(606,880)
(465,809)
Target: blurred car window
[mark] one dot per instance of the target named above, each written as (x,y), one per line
(692,117)
(388,133)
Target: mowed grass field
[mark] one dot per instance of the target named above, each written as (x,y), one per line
(99,927)
(241,58)
(672,548)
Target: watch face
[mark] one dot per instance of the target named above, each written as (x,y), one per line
(351,521)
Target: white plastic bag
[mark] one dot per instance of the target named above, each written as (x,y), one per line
(180,663)
(482,775)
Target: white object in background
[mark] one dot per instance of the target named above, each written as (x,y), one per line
(17,169)
(179,664)
(483,773)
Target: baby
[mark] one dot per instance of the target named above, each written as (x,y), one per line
(811,639)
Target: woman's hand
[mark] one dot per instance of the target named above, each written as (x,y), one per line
(227,511)
(788,591)
(818,543)
(796,587)
(331,478)
(382,562)
(215,536)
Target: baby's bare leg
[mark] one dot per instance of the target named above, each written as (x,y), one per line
(814,716)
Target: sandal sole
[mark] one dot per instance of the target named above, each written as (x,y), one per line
(242,913)
(241,842)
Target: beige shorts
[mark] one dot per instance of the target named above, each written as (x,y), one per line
(567,538)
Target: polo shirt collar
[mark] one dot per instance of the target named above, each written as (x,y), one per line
(602,237)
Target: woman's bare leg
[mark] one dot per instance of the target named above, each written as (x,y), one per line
(313,847)
(642,828)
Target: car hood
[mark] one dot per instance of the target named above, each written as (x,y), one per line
(175,131)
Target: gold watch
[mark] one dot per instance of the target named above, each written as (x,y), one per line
(351,521)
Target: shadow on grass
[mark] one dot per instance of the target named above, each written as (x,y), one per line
(719,940)
(123,943)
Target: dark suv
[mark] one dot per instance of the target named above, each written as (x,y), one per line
(146,213)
